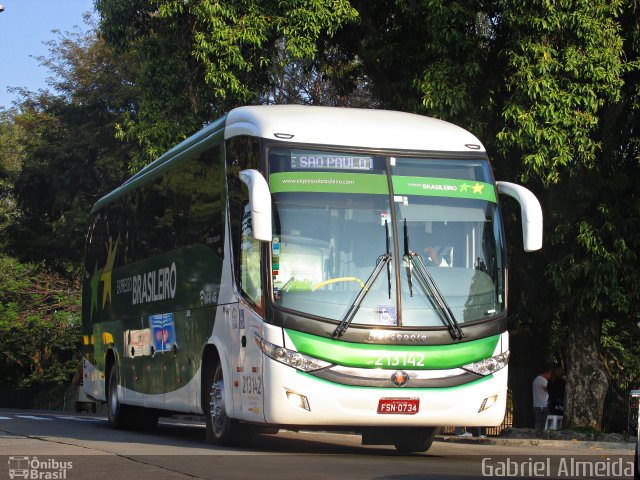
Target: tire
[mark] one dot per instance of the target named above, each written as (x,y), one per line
(221,430)
(415,439)
(119,416)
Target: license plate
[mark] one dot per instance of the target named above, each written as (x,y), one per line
(402,406)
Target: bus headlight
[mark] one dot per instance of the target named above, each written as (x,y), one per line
(489,365)
(289,357)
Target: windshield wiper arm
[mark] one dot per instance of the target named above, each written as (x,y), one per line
(407,251)
(386,229)
(381,262)
(435,295)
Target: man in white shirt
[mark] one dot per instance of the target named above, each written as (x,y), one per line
(540,399)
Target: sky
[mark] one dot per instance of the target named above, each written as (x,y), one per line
(24,26)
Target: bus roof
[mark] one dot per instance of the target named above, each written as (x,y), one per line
(353,127)
(331,126)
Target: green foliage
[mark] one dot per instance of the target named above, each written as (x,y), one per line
(564,63)
(69,156)
(202,57)
(39,325)
(12,141)
(449,83)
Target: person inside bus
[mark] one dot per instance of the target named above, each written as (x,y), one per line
(435,237)
(431,258)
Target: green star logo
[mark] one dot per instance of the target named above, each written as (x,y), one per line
(105,278)
(93,283)
(477,188)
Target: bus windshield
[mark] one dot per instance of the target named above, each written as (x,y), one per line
(446,213)
(338,215)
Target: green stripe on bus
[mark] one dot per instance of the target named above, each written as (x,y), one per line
(414,357)
(443,187)
(331,182)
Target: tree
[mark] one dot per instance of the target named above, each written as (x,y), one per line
(201,58)
(332,78)
(39,325)
(71,156)
(565,78)
(12,145)
(58,155)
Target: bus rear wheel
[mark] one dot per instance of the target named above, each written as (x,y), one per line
(415,439)
(222,430)
(118,415)
(121,416)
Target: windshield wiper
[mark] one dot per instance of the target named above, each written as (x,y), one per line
(386,229)
(381,262)
(435,295)
(406,255)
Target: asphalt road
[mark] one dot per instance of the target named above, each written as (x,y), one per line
(80,446)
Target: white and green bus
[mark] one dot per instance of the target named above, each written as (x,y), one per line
(305,267)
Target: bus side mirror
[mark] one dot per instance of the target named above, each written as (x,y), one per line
(260,204)
(530,211)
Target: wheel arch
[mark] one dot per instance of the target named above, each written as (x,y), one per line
(212,354)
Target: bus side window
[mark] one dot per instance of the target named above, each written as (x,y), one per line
(250,262)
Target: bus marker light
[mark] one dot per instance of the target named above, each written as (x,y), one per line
(487,403)
(298,400)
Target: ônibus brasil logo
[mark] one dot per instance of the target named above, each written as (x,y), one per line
(33,468)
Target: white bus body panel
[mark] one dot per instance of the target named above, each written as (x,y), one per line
(341,405)
(92,381)
(352,127)
(338,405)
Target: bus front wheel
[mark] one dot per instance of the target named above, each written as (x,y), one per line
(222,430)
(415,439)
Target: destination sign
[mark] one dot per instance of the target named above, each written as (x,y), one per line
(303,160)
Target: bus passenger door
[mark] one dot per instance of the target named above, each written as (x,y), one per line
(250,365)
(249,356)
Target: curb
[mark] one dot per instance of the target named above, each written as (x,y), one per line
(539,442)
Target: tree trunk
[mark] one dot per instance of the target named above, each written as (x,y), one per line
(587,382)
